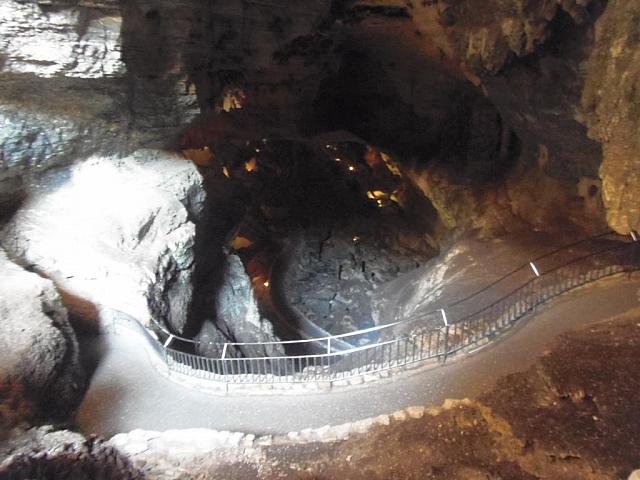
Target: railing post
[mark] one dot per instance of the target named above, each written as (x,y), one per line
(328,345)
(224,363)
(444,317)
(534,268)
(446,344)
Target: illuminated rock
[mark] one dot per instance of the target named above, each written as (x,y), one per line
(115,233)
(79,42)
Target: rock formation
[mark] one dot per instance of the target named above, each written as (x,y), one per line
(40,373)
(236,318)
(44,452)
(115,233)
(144,70)
(611,99)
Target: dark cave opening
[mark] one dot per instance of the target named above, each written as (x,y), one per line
(464,131)
(335,199)
(298,199)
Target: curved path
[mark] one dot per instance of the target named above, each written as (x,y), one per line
(126,392)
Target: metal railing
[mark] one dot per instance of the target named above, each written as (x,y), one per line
(435,334)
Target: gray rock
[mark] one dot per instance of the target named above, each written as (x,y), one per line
(46,453)
(77,42)
(115,233)
(237,318)
(55,128)
(337,275)
(41,374)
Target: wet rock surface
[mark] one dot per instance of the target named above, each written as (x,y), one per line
(41,376)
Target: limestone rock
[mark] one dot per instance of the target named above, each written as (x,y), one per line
(237,318)
(66,93)
(115,233)
(54,128)
(75,42)
(611,100)
(40,373)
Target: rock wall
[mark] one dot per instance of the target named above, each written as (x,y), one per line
(48,41)
(115,233)
(611,100)
(558,72)
(46,453)
(67,89)
(140,72)
(40,373)
(406,81)
(527,197)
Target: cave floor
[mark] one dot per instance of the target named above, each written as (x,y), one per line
(127,393)
(569,416)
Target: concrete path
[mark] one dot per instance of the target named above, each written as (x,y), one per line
(126,392)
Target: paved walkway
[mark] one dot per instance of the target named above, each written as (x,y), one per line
(126,392)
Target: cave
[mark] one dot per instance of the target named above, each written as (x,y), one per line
(322,239)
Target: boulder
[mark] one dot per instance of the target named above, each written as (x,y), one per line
(115,233)
(40,373)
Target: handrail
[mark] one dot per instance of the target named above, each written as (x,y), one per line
(526,266)
(410,348)
(324,339)
(617,247)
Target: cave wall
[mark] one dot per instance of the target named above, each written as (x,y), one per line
(41,375)
(611,100)
(554,70)
(126,74)
(70,87)
(504,113)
